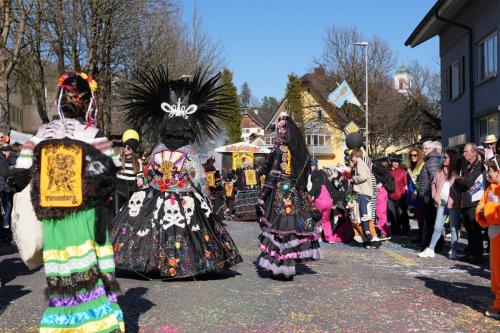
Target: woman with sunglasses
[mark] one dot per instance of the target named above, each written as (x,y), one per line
(129,176)
(415,165)
(441,188)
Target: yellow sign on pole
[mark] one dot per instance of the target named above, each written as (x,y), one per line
(352,127)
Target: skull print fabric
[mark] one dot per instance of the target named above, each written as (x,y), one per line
(135,203)
(171,234)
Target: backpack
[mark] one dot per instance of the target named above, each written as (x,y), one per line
(390,184)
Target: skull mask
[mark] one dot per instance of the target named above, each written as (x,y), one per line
(135,203)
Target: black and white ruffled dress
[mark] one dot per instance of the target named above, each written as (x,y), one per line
(171,230)
(290,229)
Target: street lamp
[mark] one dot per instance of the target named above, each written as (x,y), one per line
(367,140)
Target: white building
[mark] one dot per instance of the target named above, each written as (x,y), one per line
(251,125)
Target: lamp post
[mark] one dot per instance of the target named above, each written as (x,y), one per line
(367,140)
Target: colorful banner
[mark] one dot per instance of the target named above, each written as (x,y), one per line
(238,159)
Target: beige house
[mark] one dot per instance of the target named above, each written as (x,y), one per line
(24,115)
(323,123)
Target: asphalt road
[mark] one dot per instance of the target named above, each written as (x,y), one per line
(351,290)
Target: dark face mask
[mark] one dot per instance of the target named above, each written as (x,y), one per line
(72,106)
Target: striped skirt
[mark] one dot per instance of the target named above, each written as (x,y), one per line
(80,276)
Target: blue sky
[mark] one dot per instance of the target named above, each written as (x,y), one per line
(265,40)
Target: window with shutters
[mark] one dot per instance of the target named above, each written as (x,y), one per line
(488,57)
(456,79)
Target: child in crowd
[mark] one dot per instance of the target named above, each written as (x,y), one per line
(362,187)
(352,206)
(488,216)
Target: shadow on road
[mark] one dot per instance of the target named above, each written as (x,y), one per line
(9,294)
(6,249)
(133,305)
(215,275)
(11,268)
(300,269)
(474,296)
(303,269)
(481,271)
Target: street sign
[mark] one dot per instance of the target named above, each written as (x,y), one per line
(352,127)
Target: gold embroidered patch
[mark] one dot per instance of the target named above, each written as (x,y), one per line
(61,176)
(250,177)
(210,175)
(228,189)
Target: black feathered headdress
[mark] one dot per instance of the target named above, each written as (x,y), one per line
(174,112)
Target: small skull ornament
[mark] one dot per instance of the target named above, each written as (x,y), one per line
(135,203)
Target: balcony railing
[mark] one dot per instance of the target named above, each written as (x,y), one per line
(320,150)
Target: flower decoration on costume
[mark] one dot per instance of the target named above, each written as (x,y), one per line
(86,88)
(90,80)
(172,262)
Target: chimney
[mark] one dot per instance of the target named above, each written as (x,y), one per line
(256,111)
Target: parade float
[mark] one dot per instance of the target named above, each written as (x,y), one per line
(234,154)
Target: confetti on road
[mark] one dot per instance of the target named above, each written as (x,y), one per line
(351,290)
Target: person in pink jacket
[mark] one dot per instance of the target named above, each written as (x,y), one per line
(322,192)
(440,186)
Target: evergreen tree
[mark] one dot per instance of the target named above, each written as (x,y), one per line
(245,95)
(269,104)
(293,97)
(233,121)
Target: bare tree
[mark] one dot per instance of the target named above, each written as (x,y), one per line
(106,39)
(54,27)
(14,15)
(345,61)
(33,60)
(422,116)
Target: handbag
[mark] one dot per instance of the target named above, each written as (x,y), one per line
(27,229)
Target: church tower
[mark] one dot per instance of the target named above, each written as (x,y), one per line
(402,80)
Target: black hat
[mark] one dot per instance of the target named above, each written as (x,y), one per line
(132,143)
(6,148)
(131,138)
(395,158)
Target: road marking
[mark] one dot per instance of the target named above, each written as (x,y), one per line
(399,258)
